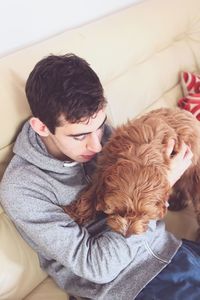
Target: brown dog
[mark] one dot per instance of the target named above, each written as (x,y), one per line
(130,184)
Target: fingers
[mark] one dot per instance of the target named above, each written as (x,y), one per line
(188,153)
(185,153)
(179,163)
(184,150)
(170,147)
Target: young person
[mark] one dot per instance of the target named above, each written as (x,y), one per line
(54,158)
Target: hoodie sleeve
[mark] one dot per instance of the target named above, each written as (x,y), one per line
(54,235)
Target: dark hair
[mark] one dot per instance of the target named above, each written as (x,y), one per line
(63,85)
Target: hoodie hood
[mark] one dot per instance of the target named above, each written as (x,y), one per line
(31,148)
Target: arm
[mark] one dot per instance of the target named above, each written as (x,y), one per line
(52,233)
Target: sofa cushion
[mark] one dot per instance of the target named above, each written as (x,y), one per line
(20,272)
(47,290)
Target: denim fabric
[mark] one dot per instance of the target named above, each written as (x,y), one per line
(180,280)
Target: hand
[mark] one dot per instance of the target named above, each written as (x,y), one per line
(179,162)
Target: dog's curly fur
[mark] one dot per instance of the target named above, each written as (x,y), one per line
(130,184)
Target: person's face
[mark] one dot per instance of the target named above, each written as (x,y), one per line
(78,141)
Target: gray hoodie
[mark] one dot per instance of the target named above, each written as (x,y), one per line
(92,261)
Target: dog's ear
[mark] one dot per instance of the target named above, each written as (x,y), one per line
(116,184)
(83,209)
(135,224)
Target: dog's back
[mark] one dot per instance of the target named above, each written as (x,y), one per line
(186,127)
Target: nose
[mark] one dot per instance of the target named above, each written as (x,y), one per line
(94,143)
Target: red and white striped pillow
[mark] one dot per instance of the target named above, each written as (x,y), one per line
(190,83)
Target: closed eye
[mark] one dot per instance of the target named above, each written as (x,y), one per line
(83,136)
(80,137)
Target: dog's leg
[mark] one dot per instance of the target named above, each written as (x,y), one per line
(194,190)
(83,209)
(178,199)
(196,204)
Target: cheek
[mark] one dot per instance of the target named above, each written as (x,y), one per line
(75,149)
(67,146)
(100,134)
(72,147)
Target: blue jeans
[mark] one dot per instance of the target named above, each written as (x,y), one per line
(180,280)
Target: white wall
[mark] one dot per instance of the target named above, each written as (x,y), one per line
(24,22)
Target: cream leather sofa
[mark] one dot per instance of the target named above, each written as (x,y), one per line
(138,54)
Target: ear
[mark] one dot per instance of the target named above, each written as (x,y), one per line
(114,186)
(118,224)
(137,224)
(39,127)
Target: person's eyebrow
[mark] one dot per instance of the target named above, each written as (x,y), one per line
(84,133)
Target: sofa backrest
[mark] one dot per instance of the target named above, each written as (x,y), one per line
(137,53)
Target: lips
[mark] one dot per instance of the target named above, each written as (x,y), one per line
(88,156)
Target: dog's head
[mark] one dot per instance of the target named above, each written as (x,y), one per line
(134,195)
(135,189)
